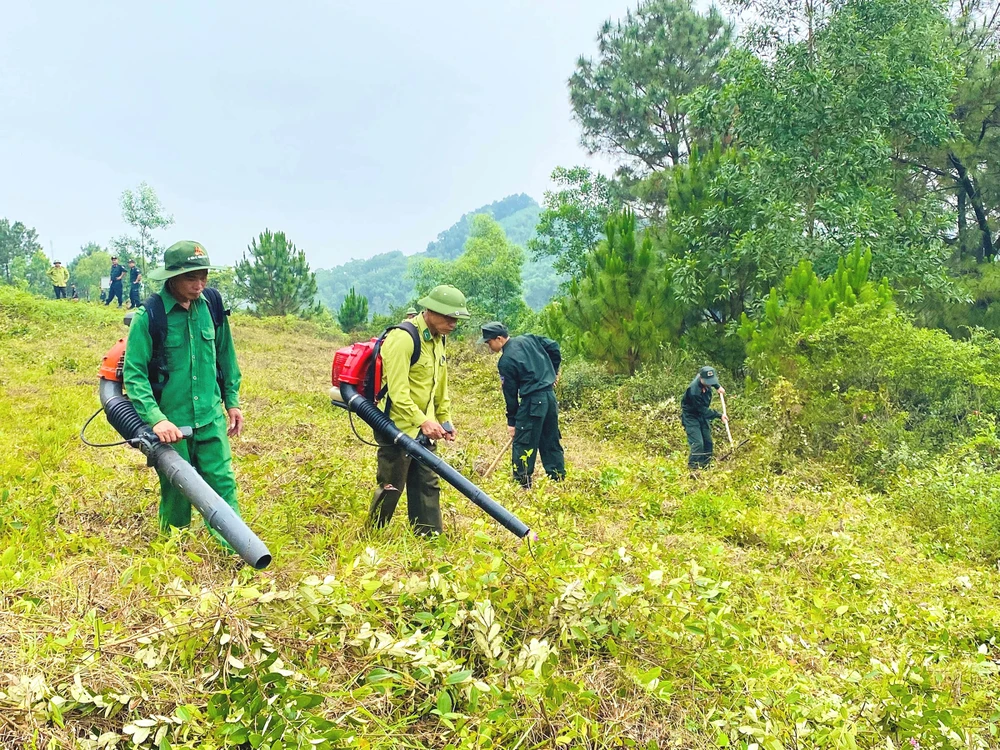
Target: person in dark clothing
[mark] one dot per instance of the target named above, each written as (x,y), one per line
(117,272)
(134,285)
(529,368)
(696,415)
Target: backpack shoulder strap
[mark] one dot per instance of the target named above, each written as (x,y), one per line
(156,314)
(215,305)
(415,335)
(380,391)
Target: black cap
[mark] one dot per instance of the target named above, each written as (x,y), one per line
(493,330)
(709,376)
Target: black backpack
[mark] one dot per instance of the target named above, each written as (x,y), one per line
(156,314)
(375,391)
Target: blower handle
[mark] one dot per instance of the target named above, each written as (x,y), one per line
(725,418)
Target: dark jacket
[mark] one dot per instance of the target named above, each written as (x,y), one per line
(696,400)
(528,364)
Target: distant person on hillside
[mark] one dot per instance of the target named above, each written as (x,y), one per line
(196,347)
(135,283)
(59,277)
(529,368)
(72,293)
(419,404)
(696,415)
(117,272)
(411,313)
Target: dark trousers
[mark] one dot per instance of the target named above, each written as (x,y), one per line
(396,472)
(115,290)
(537,431)
(60,292)
(133,296)
(699,435)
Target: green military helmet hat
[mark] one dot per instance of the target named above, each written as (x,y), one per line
(182,257)
(445,300)
(411,311)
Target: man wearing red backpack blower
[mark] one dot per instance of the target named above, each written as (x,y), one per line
(415,370)
(180,369)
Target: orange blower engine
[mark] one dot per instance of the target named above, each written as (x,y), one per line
(121,414)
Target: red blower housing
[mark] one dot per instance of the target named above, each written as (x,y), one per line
(360,366)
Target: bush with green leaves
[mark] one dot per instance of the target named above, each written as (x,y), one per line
(806,302)
(881,392)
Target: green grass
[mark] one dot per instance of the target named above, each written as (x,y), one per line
(740,608)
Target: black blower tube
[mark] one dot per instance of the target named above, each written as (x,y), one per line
(388,431)
(180,474)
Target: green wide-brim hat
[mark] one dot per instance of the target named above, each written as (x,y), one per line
(445,300)
(182,257)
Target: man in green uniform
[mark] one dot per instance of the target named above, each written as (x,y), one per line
(59,277)
(195,352)
(696,414)
(411,313)
(529,367)
(419,404)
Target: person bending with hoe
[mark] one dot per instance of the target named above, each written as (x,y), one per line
(696,415)
(180,370)
(529,367)
(415,373)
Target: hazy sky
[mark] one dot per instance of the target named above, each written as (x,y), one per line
(355,127)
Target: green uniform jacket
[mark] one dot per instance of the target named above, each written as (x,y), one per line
(192,347)
(58,276)
(420,392)
(528,364)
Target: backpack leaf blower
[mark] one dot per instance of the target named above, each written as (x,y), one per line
(357,377)
(179,473)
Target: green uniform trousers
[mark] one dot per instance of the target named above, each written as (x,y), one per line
(396,472)
(536,430)
(699,436)
(208,451)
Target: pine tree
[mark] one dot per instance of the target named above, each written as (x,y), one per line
(353,312)
(621,311)
(276,280)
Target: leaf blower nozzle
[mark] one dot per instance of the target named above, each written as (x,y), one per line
(175,470)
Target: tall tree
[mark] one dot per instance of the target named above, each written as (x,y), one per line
(87,268)
(488,272)
(727,236)
(142,210)
(631,102)
(29,273)
(621,311)
(276,279)
(353,312)
(573,218)
(963,173)
(821,116)
(16,242)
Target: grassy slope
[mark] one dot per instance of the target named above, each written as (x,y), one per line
(658,609)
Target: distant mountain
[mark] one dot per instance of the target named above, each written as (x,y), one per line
(382,278)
